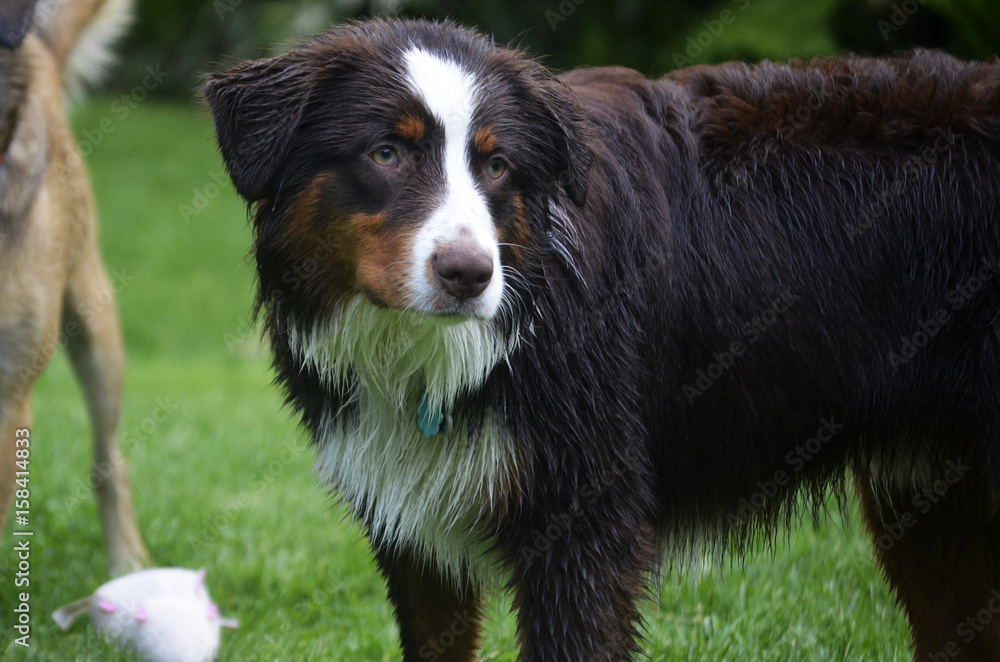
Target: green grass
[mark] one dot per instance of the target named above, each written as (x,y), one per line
(225,482)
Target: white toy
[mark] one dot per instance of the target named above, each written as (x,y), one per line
(164,615)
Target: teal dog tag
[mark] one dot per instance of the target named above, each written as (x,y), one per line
(431,421)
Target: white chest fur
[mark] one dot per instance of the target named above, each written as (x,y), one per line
(416,492)
(423,493)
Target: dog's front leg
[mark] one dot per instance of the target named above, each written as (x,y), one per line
(579,575)
(438,620)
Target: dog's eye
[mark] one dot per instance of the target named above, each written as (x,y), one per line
(385,156)
(496,167)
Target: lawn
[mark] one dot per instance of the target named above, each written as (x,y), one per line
(222,476)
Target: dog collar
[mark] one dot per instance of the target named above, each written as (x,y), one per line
(432,421)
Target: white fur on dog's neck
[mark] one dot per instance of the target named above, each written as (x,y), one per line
(423,493)
(386,350)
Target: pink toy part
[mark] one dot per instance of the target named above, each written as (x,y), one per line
(213,610)
(107,606)
(141,615)
(230,623)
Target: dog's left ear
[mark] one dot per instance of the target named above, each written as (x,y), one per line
(567,134)
(257,108)
(15,21)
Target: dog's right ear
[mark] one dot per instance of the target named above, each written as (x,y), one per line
(15,21)
(257,108)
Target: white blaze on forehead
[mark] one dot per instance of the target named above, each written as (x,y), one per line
(447,91)
(449,94)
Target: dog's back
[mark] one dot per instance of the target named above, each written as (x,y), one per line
(834,221)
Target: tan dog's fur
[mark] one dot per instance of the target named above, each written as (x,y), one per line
(53,285)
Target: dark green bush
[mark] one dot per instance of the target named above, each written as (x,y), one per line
(190,37)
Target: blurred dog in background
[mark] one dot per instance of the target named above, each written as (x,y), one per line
(53,284)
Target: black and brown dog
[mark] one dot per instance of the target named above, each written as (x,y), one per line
(53,285)
(544,328)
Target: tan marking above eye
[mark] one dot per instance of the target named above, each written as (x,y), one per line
(411,128)
(485,141)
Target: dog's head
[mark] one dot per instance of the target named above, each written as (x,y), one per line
(408,162)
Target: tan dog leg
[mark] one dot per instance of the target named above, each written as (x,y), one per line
(93,338)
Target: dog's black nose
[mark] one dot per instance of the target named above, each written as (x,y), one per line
(464,269)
